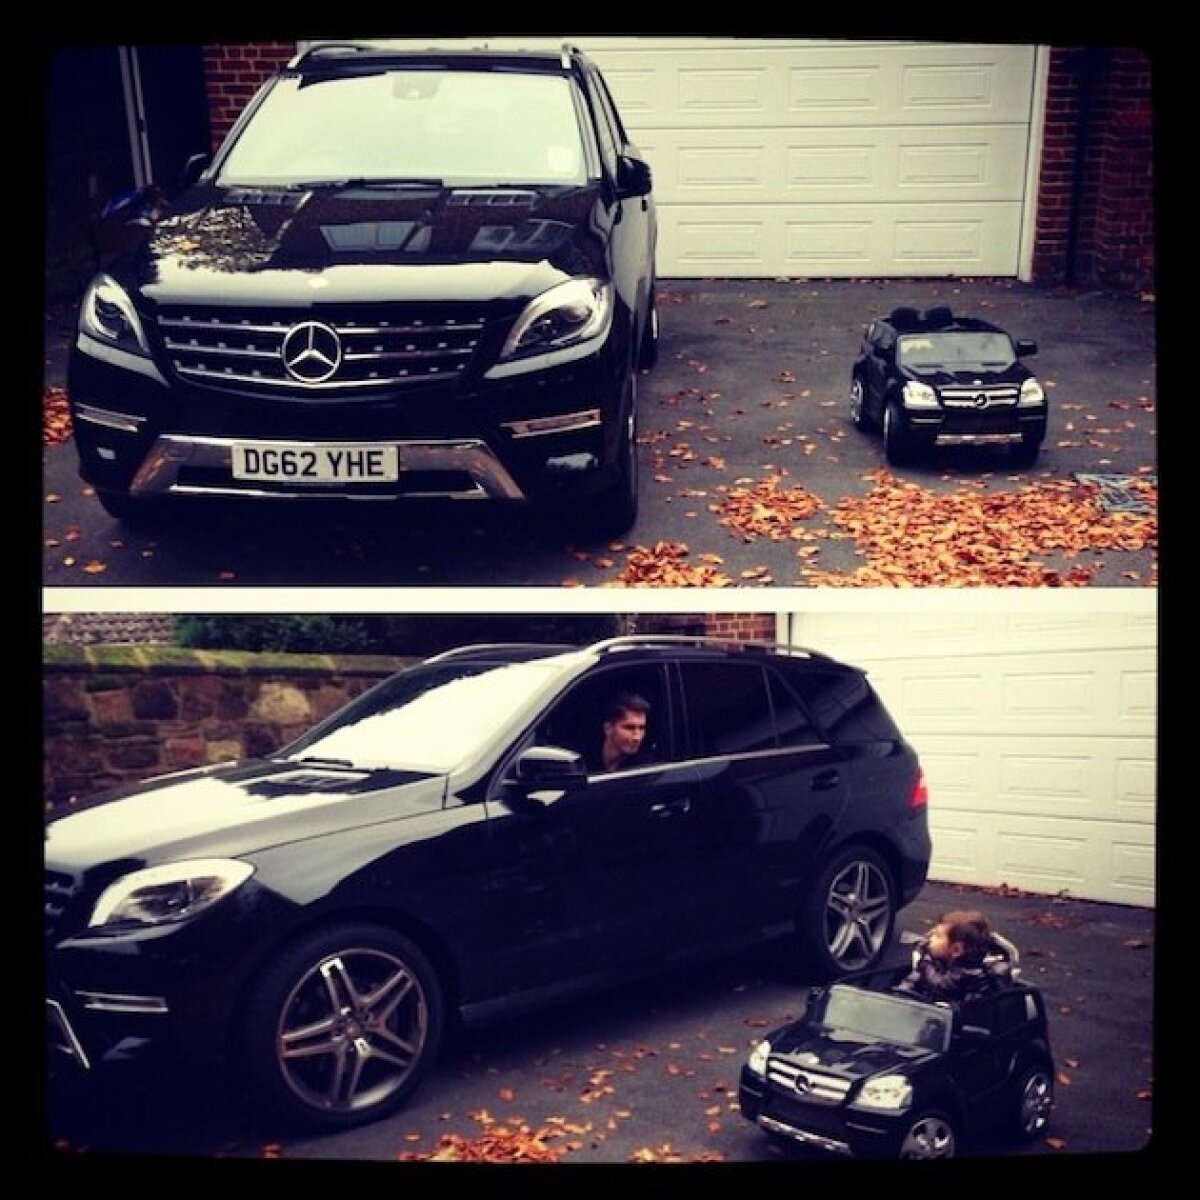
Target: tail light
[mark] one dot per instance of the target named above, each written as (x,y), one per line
(920,793)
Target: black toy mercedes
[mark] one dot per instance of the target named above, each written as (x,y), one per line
(871,1072)
(937,379)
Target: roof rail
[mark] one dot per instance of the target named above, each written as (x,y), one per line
(632,641)
(330,49)
(483,648)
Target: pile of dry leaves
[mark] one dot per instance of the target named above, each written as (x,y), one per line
(56,417)
(913,537)
(766,509)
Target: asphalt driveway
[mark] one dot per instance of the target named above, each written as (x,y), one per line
(648,1074)
(751,474)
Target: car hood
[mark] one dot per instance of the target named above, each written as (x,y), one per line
(849,1055)
(330,244)
(1014,375)
(233,809)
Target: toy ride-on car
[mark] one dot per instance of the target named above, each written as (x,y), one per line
(938,380)
(872,1072)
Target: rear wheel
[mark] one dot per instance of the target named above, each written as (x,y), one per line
(847,920)
(341,1026)
(1034,1094)
(930,1134)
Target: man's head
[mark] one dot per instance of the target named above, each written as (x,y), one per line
(624,727)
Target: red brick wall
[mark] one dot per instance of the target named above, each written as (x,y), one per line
(1095,211)
(234,73)
(751,627)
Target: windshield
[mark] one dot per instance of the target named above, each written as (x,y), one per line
(888,1018)
(956,351)
(433,717)
(447,126)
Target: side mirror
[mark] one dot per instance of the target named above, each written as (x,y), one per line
(195,166)
(1026,347)
(633,177)
(543,775)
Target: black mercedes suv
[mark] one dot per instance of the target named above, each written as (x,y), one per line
(404,274)
(449,848)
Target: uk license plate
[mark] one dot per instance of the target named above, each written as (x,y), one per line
(280,462)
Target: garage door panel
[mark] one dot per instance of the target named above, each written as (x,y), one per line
(944,166)
(772,239)
(1037,729)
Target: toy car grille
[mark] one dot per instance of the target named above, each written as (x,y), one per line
(812,1085)
(242,349)
(980,397)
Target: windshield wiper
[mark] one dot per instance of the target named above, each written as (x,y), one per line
(369,181)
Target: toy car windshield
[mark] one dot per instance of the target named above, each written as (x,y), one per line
(955,351)
(888,1018)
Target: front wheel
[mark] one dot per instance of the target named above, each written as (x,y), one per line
(341,1026)
(1025,452)
(648,350)
(858,413)
(847,920)
(897,441)
(610,513)
(930,1134)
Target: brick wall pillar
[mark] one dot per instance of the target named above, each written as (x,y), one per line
(234,73)
(748,627)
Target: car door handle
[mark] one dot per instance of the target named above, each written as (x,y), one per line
(824,781)
(671,808)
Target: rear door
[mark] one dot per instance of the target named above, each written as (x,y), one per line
(770,791)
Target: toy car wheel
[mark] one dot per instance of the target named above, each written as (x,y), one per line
(847,920)
(1034,1102)
(930,1134)
(1025,452)
(341,1026)
(897,441)
(858,415)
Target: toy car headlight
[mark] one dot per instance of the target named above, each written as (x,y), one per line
(919,395)
(891,1092)
(757,1062)
(1031,394)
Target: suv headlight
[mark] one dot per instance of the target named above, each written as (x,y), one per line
(572,314)
(757,1062)
(891,1092)
(173,892)
(1031,394)
(107,314)
(919,395)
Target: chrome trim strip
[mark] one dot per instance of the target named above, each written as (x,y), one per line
(159,473)
(122,422)
(977,439)
(70,1044)
(114,1002)
(771,1125)
(589,418)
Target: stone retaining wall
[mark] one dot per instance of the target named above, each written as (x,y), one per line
(119,714)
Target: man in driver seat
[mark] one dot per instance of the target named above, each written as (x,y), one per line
(623,733)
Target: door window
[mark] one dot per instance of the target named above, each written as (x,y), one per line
(728,708)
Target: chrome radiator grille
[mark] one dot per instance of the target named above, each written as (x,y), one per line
(810,1085)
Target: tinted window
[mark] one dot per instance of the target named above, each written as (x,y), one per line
(728,708)
(842,703)
(792,723)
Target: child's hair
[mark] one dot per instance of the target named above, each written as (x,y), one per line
(969,929)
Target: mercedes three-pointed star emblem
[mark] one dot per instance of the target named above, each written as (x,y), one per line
(311,352)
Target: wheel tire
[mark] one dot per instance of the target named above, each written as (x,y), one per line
(1033,1102)
(340,1027)
(849,914)
(1025,452)
(930,1134)
(897,441)
(858,410)
(130,510)
(610,513)
(648,350)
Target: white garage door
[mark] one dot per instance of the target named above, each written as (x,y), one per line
(1036,729)
(827,158)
